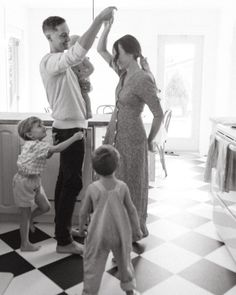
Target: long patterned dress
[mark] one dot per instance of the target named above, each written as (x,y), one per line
(127,134)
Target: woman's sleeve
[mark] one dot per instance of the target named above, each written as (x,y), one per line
(146,90)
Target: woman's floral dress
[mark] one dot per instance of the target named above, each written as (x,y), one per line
(127,134)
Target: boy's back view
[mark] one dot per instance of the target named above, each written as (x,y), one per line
(114,224)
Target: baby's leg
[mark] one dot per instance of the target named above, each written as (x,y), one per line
(43,206)
(88,105)
(24,230)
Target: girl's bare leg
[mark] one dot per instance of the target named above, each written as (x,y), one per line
(24,230)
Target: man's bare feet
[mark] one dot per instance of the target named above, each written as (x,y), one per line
(30,248)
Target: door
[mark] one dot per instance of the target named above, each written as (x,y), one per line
(180,79)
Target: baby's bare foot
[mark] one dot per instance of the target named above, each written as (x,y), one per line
(30,248)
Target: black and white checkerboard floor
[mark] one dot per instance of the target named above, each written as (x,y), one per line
(182,255)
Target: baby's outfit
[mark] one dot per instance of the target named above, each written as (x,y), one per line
(85,86)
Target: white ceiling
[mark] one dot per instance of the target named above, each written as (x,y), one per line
(131,4)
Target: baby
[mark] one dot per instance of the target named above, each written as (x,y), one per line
(27,187)
(83,71)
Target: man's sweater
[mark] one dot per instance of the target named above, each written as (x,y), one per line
(62,87)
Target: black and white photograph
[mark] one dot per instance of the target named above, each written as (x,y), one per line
(117,147)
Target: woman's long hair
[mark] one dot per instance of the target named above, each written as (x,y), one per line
(130,45)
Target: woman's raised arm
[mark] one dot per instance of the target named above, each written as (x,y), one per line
(102,43)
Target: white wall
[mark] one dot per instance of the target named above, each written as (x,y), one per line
(217,99)
(3,105)
(232,93)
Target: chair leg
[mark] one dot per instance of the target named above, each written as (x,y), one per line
(164,161)
(161,150)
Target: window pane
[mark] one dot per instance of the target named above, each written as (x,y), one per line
(13,74)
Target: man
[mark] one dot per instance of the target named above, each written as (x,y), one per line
(69,114)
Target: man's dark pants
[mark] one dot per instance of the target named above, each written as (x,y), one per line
(69,184)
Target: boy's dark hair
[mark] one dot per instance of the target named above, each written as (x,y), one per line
(105,159)
(50,23)
(26,125)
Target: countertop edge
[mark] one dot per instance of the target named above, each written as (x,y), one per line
(14,118)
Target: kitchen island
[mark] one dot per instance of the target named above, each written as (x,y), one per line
(10,145)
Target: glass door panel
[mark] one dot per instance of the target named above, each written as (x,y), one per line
(180,61)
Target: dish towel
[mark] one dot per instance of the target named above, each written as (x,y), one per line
(230,177)
(222,162)
(211,159)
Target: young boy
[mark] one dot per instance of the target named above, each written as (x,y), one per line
(83,70)
(27,187)
(114,223)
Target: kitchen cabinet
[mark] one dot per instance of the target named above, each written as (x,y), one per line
(9,150)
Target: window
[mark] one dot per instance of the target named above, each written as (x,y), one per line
(180,73)
(13,74)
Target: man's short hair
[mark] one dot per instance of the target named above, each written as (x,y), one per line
(105,159)
(26,125)
(50,23)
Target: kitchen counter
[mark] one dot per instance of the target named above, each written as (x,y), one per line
(223,120)
(14,118)
(227,130)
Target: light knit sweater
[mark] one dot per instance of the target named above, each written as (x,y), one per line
(62,87)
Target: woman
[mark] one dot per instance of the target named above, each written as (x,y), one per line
(126,130)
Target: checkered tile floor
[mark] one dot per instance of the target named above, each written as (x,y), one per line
(182,255)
